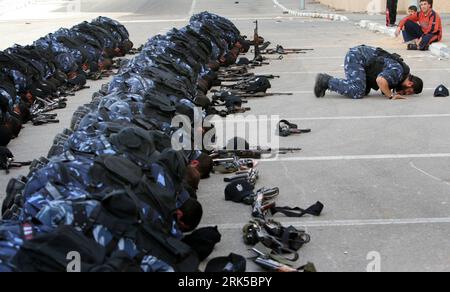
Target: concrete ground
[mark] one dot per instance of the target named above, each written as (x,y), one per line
(381,167)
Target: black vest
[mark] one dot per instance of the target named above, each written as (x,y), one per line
(376,66)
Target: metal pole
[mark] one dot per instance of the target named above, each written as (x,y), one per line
(302,5)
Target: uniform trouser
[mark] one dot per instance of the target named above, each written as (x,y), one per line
(354,85)
(413,31)
(391,12)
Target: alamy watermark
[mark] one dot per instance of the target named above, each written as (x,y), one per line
(213,133)
(74,262)
(68,6)
(374,259)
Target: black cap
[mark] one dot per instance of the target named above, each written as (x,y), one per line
(243,61)
(232,264)
(238,190)
(441,91)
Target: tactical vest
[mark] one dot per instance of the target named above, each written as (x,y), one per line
(376,66)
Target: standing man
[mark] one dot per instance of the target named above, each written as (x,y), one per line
(368,68)
(391,13)
(422,28)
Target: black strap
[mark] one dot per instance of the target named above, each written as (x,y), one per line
(314,210)
(294,238)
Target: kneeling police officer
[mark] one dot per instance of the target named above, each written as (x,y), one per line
(368,68)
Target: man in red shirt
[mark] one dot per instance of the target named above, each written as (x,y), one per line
(424,27)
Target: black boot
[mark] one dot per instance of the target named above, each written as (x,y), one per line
(321,86)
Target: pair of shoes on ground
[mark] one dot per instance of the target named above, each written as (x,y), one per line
(415,47)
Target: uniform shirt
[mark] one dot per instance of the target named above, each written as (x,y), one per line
(430,23)
(392,71)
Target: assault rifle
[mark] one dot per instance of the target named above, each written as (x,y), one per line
(264,201)
(251,154)
(245,78)
(251,176)
(233,164)
(10,163)
(42,105)
(228,111)
(256,42)
(263,94)
(271,265)
(43,119)
(282,51)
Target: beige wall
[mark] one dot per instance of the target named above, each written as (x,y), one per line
(379,6)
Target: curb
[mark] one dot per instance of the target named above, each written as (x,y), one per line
(438,49)
(330,16)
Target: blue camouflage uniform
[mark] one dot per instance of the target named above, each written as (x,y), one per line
(355,84)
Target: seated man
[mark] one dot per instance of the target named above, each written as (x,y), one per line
(368,68)
(424,28)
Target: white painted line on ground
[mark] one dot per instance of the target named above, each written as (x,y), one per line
(186,19)
(372,117)
(358,157)
(349,223)
(303,57)
(154,20)
(344,118)
(311,92)
(191,11)
(342,71)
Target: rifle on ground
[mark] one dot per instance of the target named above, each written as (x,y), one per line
(274,266)
(40,109)
(264,201)
(42,105)
(228,111)
(263,94)
(252,154)
(242,94)
(10,163)
(233,164)
(43,119)
(251,176)
(282,51)
(235,70)
(245,78)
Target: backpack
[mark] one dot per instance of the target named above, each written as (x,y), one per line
(48,252)
(376,66)
(135,144)
(12,236)
(159,108)
(115,25)
(59,177)
(113,172)
(89,142)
